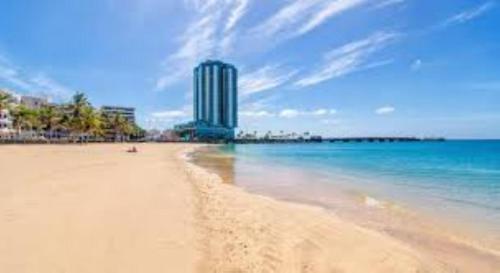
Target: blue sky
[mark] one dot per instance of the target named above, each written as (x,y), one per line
(332,67)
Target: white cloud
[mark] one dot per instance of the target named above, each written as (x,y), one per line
(170,114)
(173,114)
(260,104)
(470,14)
(322,112)
(289,113)
(375,64)
(12,76)
(349,58)
(299,17)
(168,118)
(385,110)
(292,113)
(256,114)
(240,8)
(50,87)
(211,33)
(388,3)
(265,78)
(36,84)
(328,9)
(416,65)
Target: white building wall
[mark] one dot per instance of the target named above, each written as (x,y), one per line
(6,131)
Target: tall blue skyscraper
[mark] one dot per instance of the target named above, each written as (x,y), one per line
(215,94)
(215,102)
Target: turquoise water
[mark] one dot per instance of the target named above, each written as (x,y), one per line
(457,179)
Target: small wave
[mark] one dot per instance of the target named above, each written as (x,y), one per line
(373,203)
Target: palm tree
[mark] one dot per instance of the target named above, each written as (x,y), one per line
(120,126)
(92,122)
(127,128)
(4,100)
(64,122)
(50,119)
(25,119)
(35,121)
(80,102)
(137,132)
(77,110)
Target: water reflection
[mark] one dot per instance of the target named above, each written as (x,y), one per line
(223,164)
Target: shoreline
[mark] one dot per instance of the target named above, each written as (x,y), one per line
(426,235)
(96,208)
(208,156)
(248,232)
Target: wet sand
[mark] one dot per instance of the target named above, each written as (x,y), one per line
(96,208)
(458,247)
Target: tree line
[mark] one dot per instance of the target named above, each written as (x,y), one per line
(77,119)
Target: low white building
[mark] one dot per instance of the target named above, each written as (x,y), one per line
(6,130)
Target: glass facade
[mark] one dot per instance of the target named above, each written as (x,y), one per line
(215,94)
(215,99)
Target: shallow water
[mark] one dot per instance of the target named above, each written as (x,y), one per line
(457,181)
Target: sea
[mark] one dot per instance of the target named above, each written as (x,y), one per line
(456,181)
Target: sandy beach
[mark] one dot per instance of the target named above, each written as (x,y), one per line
(96,208)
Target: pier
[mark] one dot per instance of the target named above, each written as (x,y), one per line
(383,139)
(336,140)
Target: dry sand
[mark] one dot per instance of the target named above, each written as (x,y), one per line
(95,208)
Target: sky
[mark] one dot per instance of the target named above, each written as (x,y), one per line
(331,67)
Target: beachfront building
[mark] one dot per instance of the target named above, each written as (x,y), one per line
(6,130)
(128,113)
(5,119)
(215,103)
(33,102)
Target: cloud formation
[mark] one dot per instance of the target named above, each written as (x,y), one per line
(349,58)
(213,32)
(289,113)
(167,118)
(388,3)
(170,114)
(293,113)
(299,17)
(37,84)
(210,33)
(469,14)
(265,78)
(385,110)
(256,114)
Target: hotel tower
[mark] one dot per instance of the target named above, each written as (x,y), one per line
(215,94)
(215,102)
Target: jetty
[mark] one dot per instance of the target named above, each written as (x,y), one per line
(318,139)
